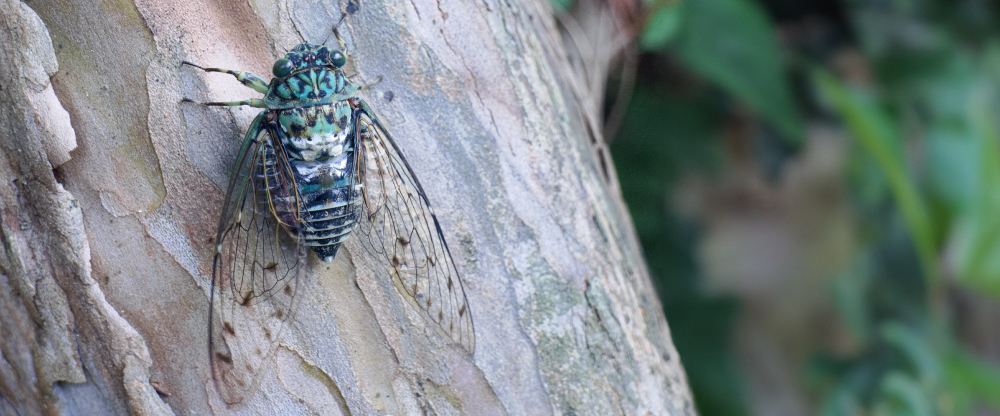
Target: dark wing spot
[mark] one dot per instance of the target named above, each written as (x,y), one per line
(280,313)
(451,284)
(228,327)
(247,297)
(428,303)
(461,311)
(288,290)
(402,241)
(396,261)
(440,315)
(221,356)
(267,333)
(271,265)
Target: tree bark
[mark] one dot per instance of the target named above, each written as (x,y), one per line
(112,188)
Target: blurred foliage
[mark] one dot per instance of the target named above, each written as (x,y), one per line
(663,24)
(913,86)
(731,43)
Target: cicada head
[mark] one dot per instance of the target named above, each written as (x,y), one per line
(310,72)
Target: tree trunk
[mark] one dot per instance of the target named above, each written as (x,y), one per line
(112,188)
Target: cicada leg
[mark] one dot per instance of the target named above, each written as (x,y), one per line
(362,86)
(253,102)
(256,82)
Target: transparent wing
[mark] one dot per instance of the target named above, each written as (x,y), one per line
(399,227)
(255,272)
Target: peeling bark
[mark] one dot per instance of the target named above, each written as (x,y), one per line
(111,191)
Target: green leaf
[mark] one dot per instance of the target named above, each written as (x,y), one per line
(914,348)
(662,26)
(952,165)
(977,229)
(843,401)
(731,43)
(850,291)
(562,5)
(877,135)
(908,397)
(968,374)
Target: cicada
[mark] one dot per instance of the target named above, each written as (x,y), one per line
(315,167)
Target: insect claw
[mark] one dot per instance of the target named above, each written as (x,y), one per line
(192,64)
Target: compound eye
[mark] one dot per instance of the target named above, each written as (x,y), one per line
(338,59)
(282,68)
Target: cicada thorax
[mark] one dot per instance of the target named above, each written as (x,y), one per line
(322,155)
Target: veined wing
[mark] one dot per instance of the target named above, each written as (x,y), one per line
(399,228)
(255,272)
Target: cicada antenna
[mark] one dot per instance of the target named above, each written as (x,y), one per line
(343,17)
(334,33)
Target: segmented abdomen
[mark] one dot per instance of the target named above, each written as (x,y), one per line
(328,216)
(329,201)
(328,198)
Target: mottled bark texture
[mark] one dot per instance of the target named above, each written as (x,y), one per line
(110,190)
